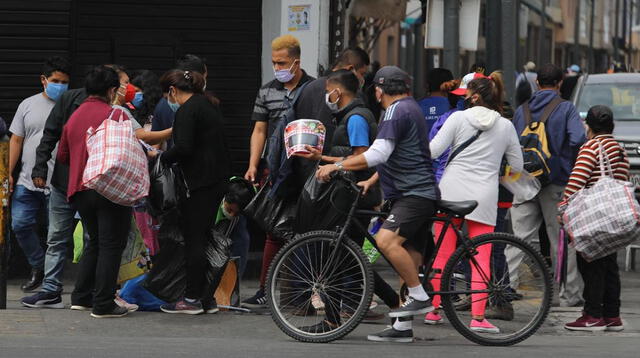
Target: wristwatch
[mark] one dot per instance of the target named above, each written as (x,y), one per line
(339,165)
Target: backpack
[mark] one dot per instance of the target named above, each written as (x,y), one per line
(535,146)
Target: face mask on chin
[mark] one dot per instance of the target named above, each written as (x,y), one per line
(173,105)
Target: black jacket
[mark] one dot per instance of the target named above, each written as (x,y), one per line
(66,105)
(200,146)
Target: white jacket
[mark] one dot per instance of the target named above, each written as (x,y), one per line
(473,174)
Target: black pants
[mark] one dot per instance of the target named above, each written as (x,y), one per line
(198,213)
(601,286)
(108,225)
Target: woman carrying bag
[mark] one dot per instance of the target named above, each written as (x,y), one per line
(601,276)
(201,153)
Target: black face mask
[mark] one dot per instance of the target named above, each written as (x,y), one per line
(467,103)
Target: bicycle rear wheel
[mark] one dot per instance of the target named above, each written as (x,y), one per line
(522,293)
(318,294)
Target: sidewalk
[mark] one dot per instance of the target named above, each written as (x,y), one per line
(68,333)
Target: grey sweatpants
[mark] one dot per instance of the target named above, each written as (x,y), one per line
(526,219)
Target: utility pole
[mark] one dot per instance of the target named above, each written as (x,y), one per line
(592,64)
(576,34)
(452,36)
(543,32)
(616,57)
(494,36)
(510,11)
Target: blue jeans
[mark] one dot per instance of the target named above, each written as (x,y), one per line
(240,244)
(25,205)
(61,225)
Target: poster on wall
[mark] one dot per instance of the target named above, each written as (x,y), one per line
(299,17)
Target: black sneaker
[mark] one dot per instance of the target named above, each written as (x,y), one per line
(116,312)
(43,300)
(37,275)
(183,306)
(210,307)
(392,335)
(259,300)
(322,327)
(412,307)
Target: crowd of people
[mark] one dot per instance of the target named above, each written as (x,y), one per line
(451,145)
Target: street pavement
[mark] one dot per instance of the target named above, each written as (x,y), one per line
(63,333)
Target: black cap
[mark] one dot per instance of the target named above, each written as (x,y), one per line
(388,75)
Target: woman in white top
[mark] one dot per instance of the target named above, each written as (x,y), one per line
(473,175)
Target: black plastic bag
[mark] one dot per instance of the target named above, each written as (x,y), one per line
(315,209)
(167,278)
(167,186)
(272,213)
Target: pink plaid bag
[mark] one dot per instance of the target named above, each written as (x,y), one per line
(117,166)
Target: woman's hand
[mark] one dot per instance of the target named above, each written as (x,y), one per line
(314,154)
(324,172)
(152,154)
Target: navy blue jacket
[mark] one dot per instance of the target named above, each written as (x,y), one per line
(565,133)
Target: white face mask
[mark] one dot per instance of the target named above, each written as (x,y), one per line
(333,106)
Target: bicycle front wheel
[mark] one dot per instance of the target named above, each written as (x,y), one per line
(503,279)
(319,292)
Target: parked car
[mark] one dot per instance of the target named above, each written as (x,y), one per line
(621,93)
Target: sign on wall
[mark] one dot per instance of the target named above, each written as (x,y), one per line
(299,18)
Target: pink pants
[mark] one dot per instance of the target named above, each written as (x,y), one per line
(448,246)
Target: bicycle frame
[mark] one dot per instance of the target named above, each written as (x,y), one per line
(447,219)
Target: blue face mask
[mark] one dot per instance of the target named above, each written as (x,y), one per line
(174,106)
(55,90)
(137,100)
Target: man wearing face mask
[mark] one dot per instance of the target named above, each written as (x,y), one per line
(271,103)
(26,128)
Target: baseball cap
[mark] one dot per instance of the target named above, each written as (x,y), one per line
(391,74)
(462,90)
(574,68)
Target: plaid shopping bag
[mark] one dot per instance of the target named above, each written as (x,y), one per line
(604,218)
(117,166)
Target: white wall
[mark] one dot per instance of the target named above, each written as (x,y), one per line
(314,42)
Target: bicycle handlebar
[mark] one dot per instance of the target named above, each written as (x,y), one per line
(341,175)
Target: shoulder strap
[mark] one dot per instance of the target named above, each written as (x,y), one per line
(549,108)
(526,111)
(463,146)
(298,92)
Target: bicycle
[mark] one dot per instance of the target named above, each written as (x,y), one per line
(326,270)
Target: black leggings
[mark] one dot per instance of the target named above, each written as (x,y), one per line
(601,286)
(198,213)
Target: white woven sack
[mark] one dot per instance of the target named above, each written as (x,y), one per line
(117,166)
(604,218)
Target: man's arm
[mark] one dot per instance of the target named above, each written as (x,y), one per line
(15,149)
(258,139)
(50,137)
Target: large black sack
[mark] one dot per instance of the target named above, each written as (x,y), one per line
(167,278)
(315,208)
(272,214)
(167,186)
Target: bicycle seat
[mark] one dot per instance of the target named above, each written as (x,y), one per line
(460,208)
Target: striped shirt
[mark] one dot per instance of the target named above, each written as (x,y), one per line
(586,171)
(269,104)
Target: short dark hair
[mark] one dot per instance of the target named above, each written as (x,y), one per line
(354,56)
(240,192)
(346,79)
(436,77)
(56,64)
(188,81)
(394,88)
(193,63)
(549,75)
(600,119)
(100,79)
